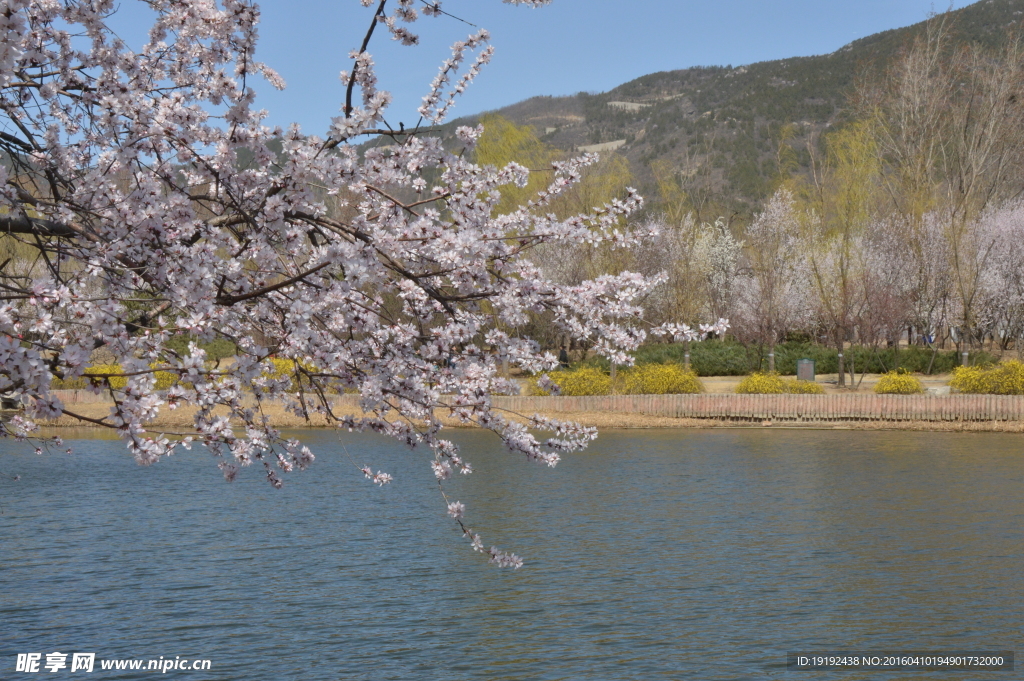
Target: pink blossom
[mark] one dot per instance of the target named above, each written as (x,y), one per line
(315,254)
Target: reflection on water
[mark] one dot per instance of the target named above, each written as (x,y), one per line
(77,433)
(656,554)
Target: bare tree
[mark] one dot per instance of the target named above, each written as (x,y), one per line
(948,125)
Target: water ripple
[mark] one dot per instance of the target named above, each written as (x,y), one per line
(661,554)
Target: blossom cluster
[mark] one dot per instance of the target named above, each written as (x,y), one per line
(155,205)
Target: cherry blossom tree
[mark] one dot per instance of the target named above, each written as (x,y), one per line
(995,245)
(887,285)
(932,307)
(699,263)
(717,253)
(773,286)
(143,200)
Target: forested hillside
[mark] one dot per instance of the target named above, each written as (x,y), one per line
(725,134)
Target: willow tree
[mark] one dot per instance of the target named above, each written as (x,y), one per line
(839,211)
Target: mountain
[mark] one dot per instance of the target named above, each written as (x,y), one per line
(727,123)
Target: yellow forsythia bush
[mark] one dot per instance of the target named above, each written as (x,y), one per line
(899,382)
(771,383)
(576,383)
(795,387)
(761,383)
(164,379)
(282,368)
(1006,378)
(534,390)
(662,379)
(69,384)
(115,382)
(286,368)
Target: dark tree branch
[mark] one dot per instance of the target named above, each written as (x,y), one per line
(25,225)
(355,68)
(231,300)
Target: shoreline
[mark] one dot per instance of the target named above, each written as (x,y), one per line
(181,420)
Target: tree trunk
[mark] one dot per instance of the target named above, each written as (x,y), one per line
(931,362)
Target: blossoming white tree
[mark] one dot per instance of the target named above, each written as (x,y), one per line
(773,287)
(147,203)
(994,299)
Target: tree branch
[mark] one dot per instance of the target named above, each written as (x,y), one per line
(231,300)
(362,48)
(25,225)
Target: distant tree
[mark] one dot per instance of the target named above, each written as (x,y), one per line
(887,285)
(699,263)
(716,256)
(948,127)
(840,208)
(686,186)
(773,283)
(606,178)
(504,142)
(995,242)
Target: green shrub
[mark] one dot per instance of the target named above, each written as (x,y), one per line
(1002,379)
(898,382)
(661,379)
(707,358)
(915,359)
(729,358)
(217,349)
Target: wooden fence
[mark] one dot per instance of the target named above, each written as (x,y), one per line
(80,397)
(796,408)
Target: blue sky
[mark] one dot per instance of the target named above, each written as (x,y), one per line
(566,47)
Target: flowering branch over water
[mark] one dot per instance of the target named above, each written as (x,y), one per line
(146,201)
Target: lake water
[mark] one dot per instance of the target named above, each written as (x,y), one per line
(653,555)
